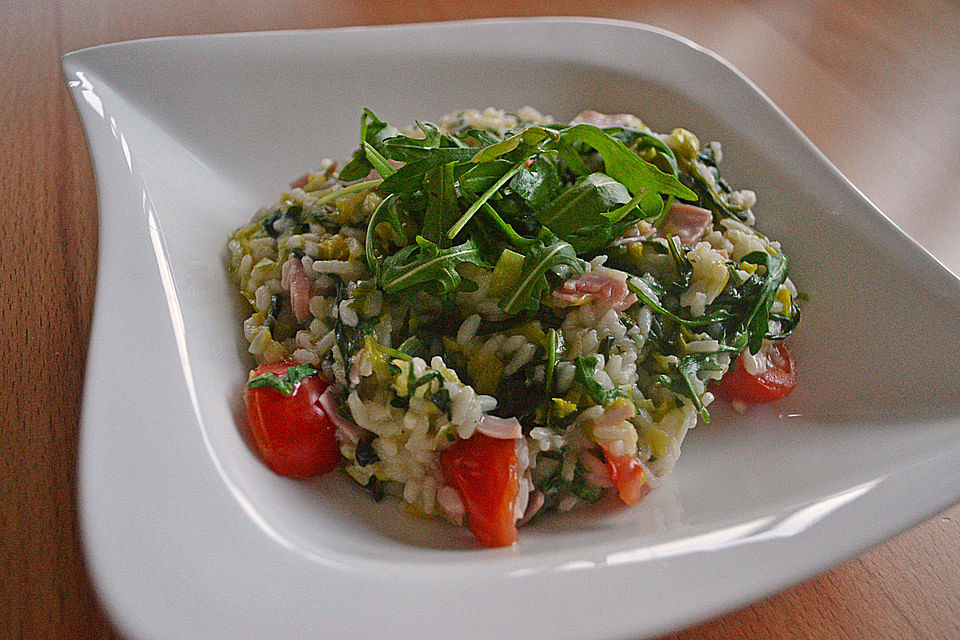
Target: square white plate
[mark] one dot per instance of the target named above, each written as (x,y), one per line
(186,534)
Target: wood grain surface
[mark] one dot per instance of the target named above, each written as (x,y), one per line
(875,86)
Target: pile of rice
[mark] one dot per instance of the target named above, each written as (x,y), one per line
(402,428)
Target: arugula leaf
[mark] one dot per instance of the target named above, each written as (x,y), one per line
(484,137)
(298,372)
(585,202)
(442,206)
(389,212)
(579,486)
(568,153)
(406,149)
(531,136)
(580,214)
(408,179)
(373,133)
(285,384)
(640,140)
(378,162)
(539,183)
(626,166)
(365,455)
(480,177)
(651,298)
(424,264)
(554,348)
(431,135)
(787,323)
(683,385)
(540,258)
(586,367)
(465,218)
(503,228)
(758,320)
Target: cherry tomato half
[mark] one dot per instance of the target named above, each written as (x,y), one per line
(628,476)
(483,471)
(293,434)
(775,383)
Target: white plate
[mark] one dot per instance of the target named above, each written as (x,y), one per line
(186,534)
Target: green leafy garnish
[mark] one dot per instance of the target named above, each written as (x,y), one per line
(540,258)
(776,272)
(285,384)
(554,348)
(551,198)
(529,191)
(426,265)
(586,367)
(373,134)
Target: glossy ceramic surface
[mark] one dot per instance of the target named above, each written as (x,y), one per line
(187,535)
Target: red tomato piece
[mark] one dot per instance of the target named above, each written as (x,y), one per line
(483,471)
(293,434)
(775,383)
(628,476)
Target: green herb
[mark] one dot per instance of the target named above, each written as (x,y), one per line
(442,205)
(379,163)
(424,264)
(373,134)
(758,320)
(538,184)
(389,212)
(625,165)
(353,188)
(267,223)
(540,258)
(582,488)
(553,353)
(587,202)
(519,192)
(477,178)
(285,384)
(399,354)
(648,295)
(461,223)
(586,367)
(413,346)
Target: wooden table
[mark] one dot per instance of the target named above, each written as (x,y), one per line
(877,89)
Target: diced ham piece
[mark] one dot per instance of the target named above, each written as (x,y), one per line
(300,182)
(686,221)
(346,430)
(299,292)
(503,428)
(606,291)
(602,120)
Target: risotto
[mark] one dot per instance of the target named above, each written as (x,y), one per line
(497,315)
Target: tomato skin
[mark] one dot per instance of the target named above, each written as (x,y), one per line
(293,434)
(775,383)
(483,471)
(628,476)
